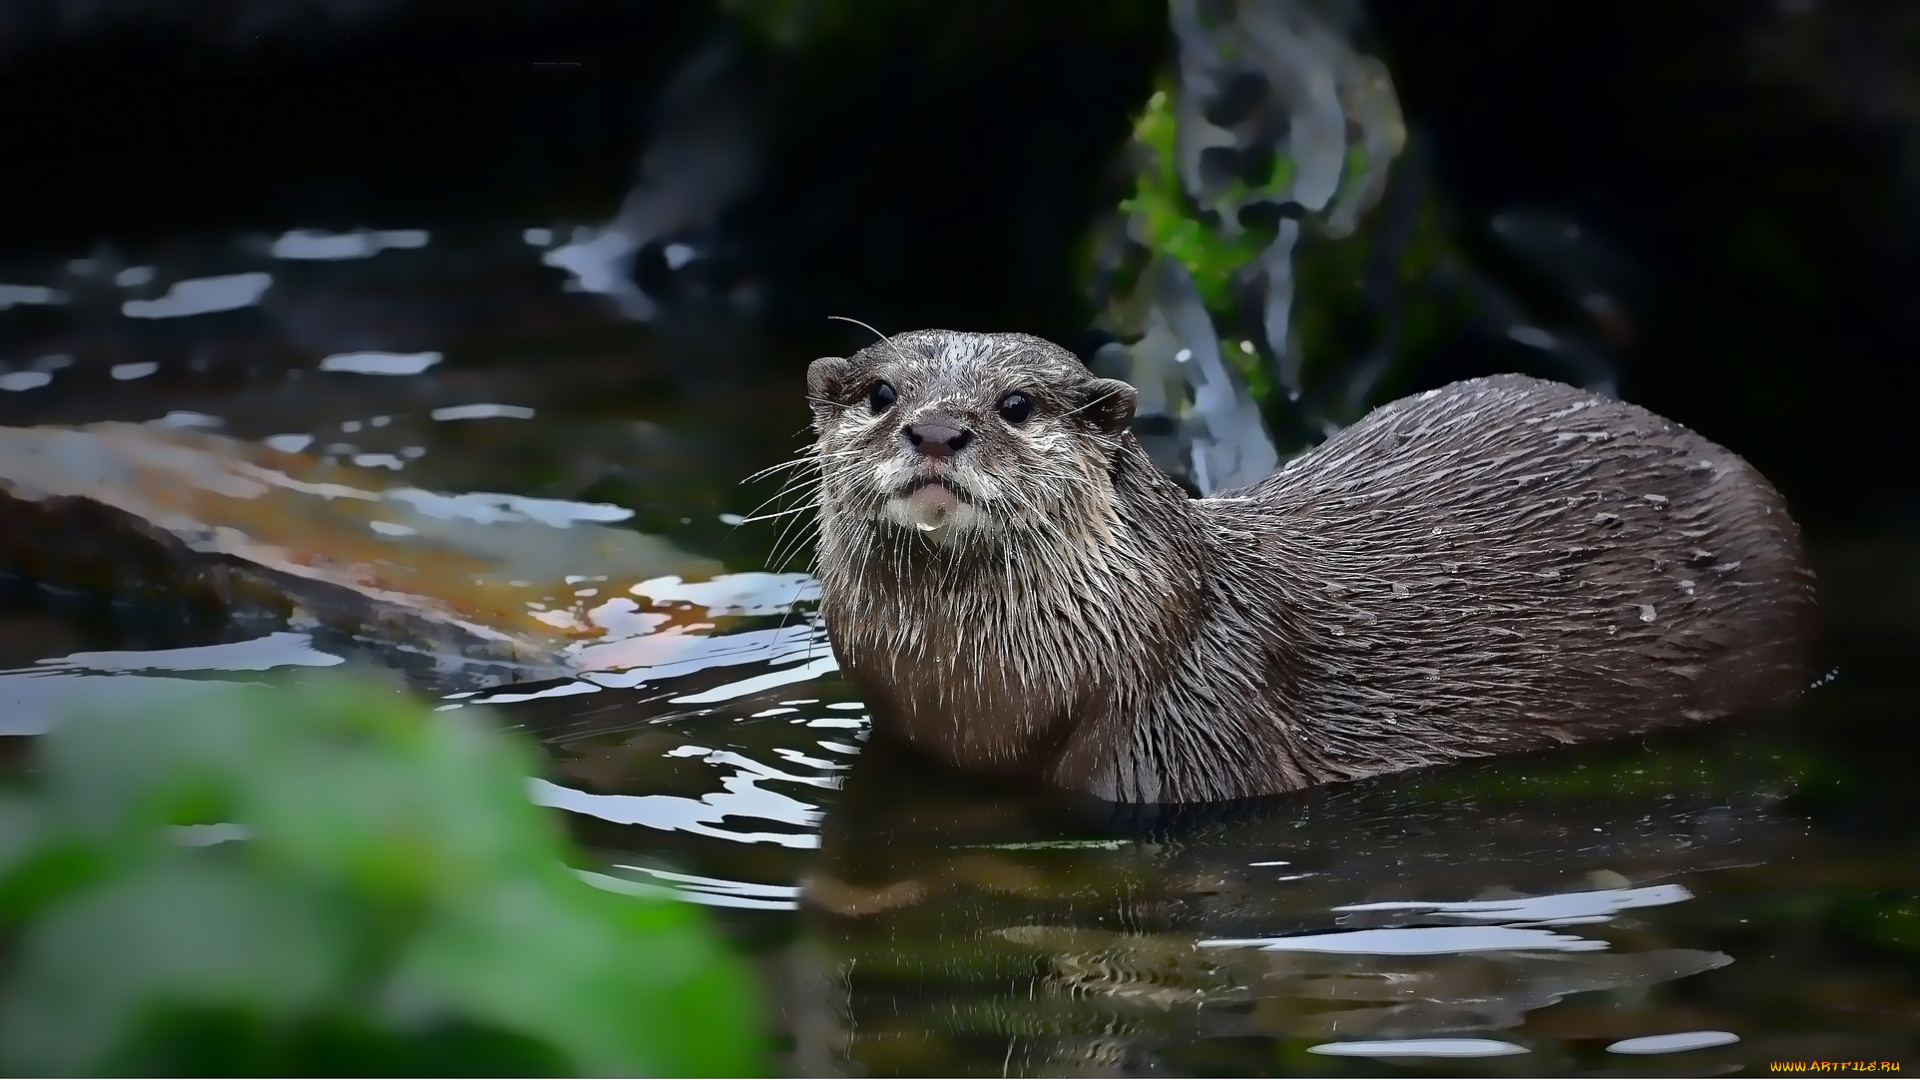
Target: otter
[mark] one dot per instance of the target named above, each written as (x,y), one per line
(1500,564)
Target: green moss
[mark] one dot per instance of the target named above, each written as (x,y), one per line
(1624,771)
(1169,224)
(1252,367)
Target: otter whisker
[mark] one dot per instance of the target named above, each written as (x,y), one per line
(884,340)
(797,495)
(808,461)
(791,513)
(803,482)
(1101,400)
(775,515)
(791,542)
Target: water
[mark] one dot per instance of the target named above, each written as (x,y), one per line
(1703,902)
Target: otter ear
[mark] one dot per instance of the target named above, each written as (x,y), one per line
(1107,404)
(826,378)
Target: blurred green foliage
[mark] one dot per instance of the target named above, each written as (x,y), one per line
(332,880)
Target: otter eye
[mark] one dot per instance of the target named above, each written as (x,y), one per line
(880,397)
(1016,407)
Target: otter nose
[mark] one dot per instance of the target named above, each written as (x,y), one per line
(938,439)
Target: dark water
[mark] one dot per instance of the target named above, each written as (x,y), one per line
(1698,904)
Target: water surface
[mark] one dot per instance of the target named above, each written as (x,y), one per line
(1701,903)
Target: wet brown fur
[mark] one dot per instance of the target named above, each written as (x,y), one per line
(1500,564)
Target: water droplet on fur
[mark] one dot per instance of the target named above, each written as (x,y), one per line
(1686,586)
(1647,613)
(1656,501)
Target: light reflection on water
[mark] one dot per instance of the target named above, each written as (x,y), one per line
(740,797)
(1418,941)
(359,244)
(712,892)
(1420,1048)
(202,296)
(33,698)
(749,796)
(380,363)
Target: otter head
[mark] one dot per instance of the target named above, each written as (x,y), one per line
(965,438)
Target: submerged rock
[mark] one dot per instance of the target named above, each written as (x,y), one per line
(495,585)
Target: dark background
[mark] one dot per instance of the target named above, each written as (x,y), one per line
(1759,164)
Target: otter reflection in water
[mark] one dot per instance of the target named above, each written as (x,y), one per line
(1500,564)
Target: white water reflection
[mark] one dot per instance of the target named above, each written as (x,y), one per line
(570,689)
(208,835)
(187,418)
(1522,917)
(489,508)
(33,699)
(741,799)
(719,790)
(798,643)
(277,650)
(1397,1048)
(359,244)
(744,804)
(12,295)
(24,380)
(483,411)
(32,702)
(202,296)
(812,669)
(1674,1043)
(1417,941)
(599,262)
(696,888)
(380,363)
(753,593)
(1555,909)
